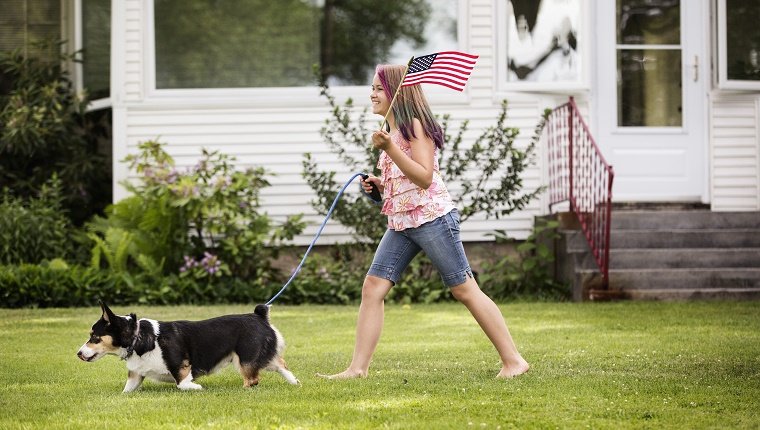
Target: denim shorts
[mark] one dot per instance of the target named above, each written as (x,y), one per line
(438,239)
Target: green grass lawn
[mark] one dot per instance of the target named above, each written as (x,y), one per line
(613,365)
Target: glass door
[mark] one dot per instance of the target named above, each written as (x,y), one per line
(648,52)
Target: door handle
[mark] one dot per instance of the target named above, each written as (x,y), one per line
(695,68)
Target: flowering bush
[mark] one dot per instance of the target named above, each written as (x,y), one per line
(202,222)
(209,266)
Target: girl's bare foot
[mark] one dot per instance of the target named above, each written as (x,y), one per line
(346,374)
(513,369)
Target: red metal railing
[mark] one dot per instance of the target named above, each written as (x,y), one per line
(579,174)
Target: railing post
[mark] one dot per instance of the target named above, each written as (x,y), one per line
(570,138)
(607,227)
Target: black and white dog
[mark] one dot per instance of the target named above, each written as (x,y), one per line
(180,351)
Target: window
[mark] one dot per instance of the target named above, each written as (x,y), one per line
(541,44)
(648,52)
(738,44)
(34,25)
(261,43)
(96,48)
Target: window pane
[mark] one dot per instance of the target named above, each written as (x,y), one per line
(96,46)
(649,88)
(228,43)
(24,23)
(743,39)
(649,22)
(359,34)
(260,43)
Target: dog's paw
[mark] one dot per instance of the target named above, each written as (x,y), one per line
(189,385)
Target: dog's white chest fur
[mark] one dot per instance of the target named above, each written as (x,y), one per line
(151,364)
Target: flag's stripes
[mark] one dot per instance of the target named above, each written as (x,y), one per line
(448,68)
(463,55)
(435,76)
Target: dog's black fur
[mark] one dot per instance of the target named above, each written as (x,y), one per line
(181,351)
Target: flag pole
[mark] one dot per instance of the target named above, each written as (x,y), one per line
(385,119)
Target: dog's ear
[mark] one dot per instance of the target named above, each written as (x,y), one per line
(108,315)
(133,322)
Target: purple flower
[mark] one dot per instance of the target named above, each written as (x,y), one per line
(189,264)
(172,176)
(211,263)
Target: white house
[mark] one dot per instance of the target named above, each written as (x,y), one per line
(670,89)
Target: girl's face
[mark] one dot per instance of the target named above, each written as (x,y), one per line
(380,102)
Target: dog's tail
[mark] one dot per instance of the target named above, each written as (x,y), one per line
(262,311)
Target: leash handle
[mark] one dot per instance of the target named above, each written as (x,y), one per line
(374,195)
(319,232)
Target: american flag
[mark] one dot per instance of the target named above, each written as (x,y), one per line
(448,68)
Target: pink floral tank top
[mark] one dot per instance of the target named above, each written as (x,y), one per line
(406,204)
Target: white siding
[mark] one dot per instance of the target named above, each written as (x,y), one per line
(735,152)
(134,50)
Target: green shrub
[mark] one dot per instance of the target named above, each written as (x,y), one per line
(527,274)
(30,285)
(59,285)
(45,130)
(36,229)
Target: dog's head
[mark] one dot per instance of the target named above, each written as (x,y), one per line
(111,334)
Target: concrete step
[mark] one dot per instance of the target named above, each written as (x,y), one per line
(675,258)
(706,238)
(677,294)
(684,220)
(687,278)
(667,255)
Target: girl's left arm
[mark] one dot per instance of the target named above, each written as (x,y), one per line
(419,167)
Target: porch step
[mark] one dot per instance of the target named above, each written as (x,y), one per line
(667,238)
(675,258)
(684,220)
(668,255)
(687,278)
(680,294)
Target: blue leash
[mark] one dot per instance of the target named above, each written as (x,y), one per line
(374,196)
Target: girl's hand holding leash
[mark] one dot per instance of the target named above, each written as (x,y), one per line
(367,184)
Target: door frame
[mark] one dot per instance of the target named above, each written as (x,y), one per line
(696,14)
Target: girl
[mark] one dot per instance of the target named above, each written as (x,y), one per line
(421,217)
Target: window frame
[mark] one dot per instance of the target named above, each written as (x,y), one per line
(277,97)
(722,73)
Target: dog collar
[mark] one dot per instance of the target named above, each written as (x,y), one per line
(131,348)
